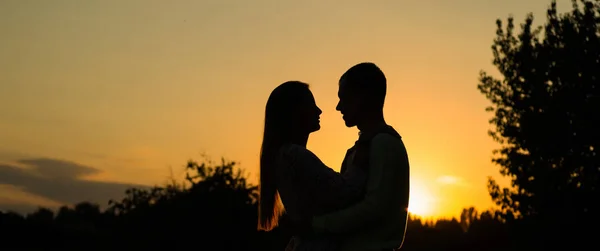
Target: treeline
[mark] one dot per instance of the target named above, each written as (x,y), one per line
(215,209)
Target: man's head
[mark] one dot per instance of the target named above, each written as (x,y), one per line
(362,93)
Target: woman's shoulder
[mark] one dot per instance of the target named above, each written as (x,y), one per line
(289,162)
(291,153)
(300,161)
(297,156)
(291,149)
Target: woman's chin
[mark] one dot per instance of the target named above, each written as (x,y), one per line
(316,128)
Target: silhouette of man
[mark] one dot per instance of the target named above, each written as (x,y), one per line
(378,221)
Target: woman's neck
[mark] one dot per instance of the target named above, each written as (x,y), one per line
(300,139)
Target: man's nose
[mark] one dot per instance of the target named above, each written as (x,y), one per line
(338,107)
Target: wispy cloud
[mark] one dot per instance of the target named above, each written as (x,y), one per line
(452,180)
(13,198)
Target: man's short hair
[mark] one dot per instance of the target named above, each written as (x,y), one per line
(368,79)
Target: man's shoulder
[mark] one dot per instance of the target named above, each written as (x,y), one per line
(388,149)
(384,143)
(387,139)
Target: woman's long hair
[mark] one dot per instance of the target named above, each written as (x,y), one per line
(279,114)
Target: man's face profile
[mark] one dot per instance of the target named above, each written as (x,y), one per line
(349,103)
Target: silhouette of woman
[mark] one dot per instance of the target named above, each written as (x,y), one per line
(292,178)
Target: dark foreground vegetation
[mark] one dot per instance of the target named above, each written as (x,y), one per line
(216,210)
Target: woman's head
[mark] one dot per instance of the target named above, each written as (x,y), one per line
(291,115)
(291,110)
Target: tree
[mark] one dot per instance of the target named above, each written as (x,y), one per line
(42,214)
(467,217)
(215,208)
(546,114)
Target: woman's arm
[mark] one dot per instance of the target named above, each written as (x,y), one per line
(328,189)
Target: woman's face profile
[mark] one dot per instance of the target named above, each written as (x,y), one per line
(308,114)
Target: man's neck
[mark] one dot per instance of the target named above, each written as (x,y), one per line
(372,124)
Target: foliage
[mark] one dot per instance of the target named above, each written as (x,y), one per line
(546,117)
(214,210)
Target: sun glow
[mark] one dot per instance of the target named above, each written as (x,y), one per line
(420,202)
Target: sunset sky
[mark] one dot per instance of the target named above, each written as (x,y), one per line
(96,95)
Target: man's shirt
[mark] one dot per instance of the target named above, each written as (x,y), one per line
(379,220)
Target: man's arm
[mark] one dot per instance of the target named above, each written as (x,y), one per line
(387,158)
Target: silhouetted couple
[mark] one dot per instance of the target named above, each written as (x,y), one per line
(362,208)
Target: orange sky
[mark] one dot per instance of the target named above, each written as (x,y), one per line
(135,87)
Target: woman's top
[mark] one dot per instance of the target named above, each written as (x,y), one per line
(308,187)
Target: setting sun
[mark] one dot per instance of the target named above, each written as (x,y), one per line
(420,202)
